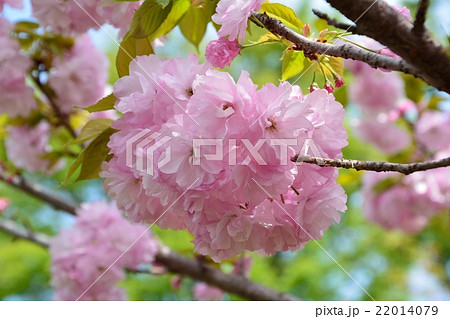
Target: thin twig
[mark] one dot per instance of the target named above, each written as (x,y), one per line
(340,25)
(345,51)
(21,232)
(373,166)
(61,117)
(40,192)
(419,23)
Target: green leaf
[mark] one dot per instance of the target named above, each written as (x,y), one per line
(106,103)
(282,13)
(266,38)
(414,88)
(95,154)
(91,158)
(194,23)
(334,63)
(178,9)
(148,18)
(292,64)
(73,168)
(92,129)
(129,49)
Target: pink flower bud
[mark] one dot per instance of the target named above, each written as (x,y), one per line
(329,87)
(313,87)
(338,81)
(323,33)
(306,30)
(222,51)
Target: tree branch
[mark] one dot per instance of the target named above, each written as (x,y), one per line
(239,285)
(173,262)
(61,117)
(345,51)
(373,166)
(379,21)
(40,192)
(21,232)
(340,25)
(419,23)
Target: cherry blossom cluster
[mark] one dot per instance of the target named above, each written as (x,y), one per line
(27,146)
(253,197)
(79,76)
(77,17)
(81,254)
(382,100)
(381,96)
(233,17)
(16,97)
(406,202)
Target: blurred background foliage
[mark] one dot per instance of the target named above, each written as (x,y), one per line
(390,265)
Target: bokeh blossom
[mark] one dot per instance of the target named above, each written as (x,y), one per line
(405,202)
(81,254)
(79,76)
(77,17)
(27,147)
(16,98)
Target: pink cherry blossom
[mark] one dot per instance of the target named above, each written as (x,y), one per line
(26,147)
(77,17)
(433,130)
(400,202)
(382,133)
(67,17)
(232,15)
(81,254)
(12,3)
(375,90)
(222,52)
(16,97)
(119,14)
(79,77)
(231,202)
